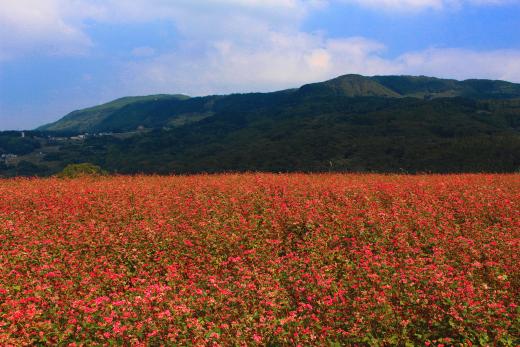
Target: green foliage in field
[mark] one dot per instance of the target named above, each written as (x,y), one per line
(80,170)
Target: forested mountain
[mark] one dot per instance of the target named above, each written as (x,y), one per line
(351,123)
(158,111)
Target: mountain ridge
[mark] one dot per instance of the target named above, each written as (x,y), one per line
(166,111)
(83,118)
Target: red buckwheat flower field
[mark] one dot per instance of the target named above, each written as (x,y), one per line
(260,259)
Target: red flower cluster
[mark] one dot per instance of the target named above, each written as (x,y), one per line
(260,259)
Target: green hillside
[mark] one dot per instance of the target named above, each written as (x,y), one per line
(361,134)
(159,111)
(430,87)
(88,120)
(351,123)
(349,86)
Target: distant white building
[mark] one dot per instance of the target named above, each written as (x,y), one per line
(7,158)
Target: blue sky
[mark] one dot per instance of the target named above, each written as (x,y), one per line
(61,55)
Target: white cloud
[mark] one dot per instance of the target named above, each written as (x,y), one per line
(240,45)
(275,62)
(58,26)
(399,4)
(50,26)
(235,45)
(463,64)
(285,61)
(416,5)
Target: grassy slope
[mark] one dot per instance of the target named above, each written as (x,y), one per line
(85,120)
